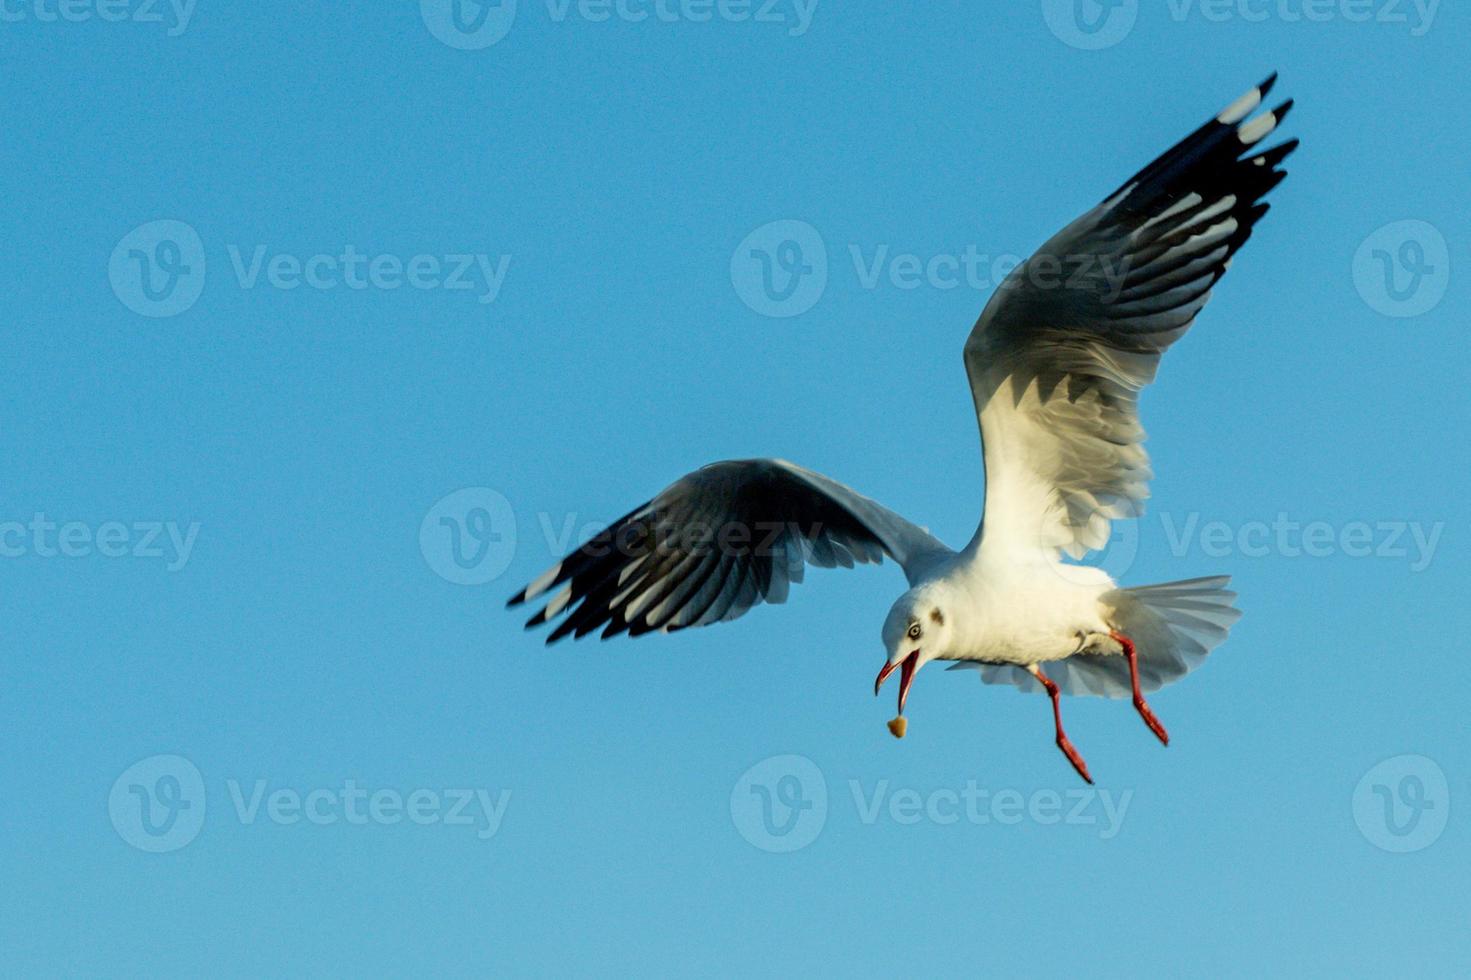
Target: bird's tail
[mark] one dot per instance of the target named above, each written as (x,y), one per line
(1173,625)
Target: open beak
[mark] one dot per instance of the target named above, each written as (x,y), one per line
(906,677)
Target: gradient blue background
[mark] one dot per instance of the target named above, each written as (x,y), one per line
(307,640)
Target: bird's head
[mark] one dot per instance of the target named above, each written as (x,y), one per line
(916,631)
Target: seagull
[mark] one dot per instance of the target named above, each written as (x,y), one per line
(1055,363)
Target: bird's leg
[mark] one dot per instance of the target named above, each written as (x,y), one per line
(1139,704)
(1062,739)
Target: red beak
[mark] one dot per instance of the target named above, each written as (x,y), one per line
(906,677)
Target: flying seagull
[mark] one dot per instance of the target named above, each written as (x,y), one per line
(1056,363)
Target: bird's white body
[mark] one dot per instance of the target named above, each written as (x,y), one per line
(1021,609)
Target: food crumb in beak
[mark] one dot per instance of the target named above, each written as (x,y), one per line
(899,726)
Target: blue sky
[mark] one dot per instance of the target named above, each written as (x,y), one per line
(416,282)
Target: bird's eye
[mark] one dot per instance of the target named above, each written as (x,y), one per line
(914,631)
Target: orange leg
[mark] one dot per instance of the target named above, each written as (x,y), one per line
(1139,703)
(1062,739)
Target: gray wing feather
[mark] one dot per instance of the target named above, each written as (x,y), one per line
(718,542)
(1058,357)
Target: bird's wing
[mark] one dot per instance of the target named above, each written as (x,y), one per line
(1060,353)
(717,542)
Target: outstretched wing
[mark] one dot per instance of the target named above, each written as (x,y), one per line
(1059,355)
(717,542)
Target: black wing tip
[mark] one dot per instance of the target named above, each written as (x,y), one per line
(516,599)
(566,629)
(1283,149)
(1266,86)
(1282,110)
(1273,160)
(616,624)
